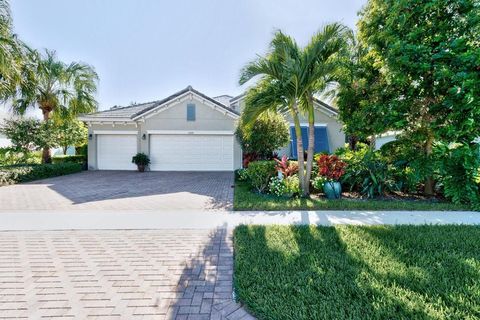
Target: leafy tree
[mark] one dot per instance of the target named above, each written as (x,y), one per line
(269,132)
(22,133)
(290,76)
(61,91)
(71,133)
(428,52)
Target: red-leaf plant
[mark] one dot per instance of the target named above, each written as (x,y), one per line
(331,167)
(286,167)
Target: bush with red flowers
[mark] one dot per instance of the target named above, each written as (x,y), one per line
(331,167)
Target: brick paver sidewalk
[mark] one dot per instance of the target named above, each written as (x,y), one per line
(140,274)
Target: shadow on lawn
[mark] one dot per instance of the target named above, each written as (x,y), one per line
(302,272)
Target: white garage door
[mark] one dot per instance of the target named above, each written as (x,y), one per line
(115,151)
(191,152)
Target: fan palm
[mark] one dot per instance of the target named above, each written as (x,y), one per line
(290,77)
(60,90)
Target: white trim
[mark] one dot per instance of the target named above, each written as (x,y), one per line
(105,119)
(114,132)
(305,124)
(189,95)
(192,132)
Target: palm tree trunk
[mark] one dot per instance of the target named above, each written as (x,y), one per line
(46,154)
(300,151)
(311,148)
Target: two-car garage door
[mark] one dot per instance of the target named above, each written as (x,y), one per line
(168,152)
(191,152)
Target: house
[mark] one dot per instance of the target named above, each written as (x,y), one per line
(187,131)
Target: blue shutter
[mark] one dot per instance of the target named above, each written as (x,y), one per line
(293,136)
(190,112)
(321,140)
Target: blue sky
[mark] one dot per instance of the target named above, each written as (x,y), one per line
(144,50)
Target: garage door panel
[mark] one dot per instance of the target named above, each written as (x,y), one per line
(115,152)
(191,152)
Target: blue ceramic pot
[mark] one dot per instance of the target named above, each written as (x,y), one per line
(332,189)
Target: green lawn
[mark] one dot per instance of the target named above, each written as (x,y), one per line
(353,272)
(244,199)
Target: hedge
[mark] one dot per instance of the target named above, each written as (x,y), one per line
(65,159)
(24,173)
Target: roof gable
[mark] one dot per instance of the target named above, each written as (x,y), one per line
(138,111)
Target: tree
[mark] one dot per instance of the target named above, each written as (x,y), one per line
(290,76)
(22,133)
(61,91)
(71,133)
(265,135)
(429,54)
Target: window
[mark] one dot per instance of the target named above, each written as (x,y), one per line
(190,112)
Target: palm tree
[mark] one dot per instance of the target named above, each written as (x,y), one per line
(14,56)
(290,77)
(60,90)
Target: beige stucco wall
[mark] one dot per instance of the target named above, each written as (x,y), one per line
(173,118)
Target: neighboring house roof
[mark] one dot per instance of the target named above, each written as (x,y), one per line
(136,111)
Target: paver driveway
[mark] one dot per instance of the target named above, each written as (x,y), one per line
(147,274)
(123,190)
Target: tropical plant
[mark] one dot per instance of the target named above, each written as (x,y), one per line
(368,173)
(290,76)
(286,167)
(141,159)
(269,132)
(61,91)
(331,167)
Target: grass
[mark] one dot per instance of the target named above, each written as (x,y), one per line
(358,272)
(245,199)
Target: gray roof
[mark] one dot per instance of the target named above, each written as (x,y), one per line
(136,110)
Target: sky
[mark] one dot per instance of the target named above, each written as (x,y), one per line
(145,50)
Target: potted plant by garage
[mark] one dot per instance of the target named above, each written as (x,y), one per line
(330,170)
(141,160)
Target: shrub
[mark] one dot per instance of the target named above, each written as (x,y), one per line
(318,183)
(459,168)
(12,156)
(267,133)
(241,174)
(367,173)
(259,174)
(15,174)
(75,159)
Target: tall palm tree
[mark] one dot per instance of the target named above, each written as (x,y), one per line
(60,90)
(278,88)
(290,77)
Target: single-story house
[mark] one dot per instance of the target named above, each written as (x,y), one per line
(187,131)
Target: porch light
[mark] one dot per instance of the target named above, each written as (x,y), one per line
(144,136)
(90,136)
